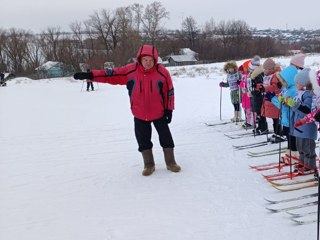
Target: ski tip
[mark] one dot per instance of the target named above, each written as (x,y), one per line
(297,221)
(272,210)
(270,201)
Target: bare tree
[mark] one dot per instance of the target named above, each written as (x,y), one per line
(99,26)
(138,11)
(190,30)
(79,37)
(34,55)
(49,43)
(151,20)
(15,49)
(209,27)
(3,58)
(128,38)
(240,35)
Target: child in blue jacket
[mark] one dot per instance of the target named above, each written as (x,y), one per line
(306,135)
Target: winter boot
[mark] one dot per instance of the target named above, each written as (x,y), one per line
(170,162)
(148,162)
(234,119)
(239,119)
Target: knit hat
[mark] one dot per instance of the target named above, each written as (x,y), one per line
(298,60)
(255,62)
(246,64)
(269,64)
(303,77)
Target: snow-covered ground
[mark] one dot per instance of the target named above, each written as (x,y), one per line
(70,169)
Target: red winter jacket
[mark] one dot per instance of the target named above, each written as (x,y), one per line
(268,109)
(151,91)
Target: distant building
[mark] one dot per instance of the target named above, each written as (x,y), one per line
(8,76)
(185,56)
(188,51)
(52,69)
(180,60)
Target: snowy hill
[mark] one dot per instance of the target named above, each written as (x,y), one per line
(70,169)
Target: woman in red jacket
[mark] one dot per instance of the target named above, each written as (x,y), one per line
(152,101)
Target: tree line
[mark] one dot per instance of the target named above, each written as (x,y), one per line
(115,35)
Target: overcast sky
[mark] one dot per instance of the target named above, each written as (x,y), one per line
(37,15)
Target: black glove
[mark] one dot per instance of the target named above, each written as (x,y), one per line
(223,84)
(168,115)
(83,75)
(317,116)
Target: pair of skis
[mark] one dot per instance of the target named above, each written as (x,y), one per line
(218,123)
(250,145)
(299,218)
(266,153)
(285,161)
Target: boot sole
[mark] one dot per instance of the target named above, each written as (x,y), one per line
(173,170)
(148,173)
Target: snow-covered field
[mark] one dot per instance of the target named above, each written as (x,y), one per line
(70,169)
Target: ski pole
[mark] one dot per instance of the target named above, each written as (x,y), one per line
(82,86)
(220,101)
(318,217)
(280,118)
(289,142)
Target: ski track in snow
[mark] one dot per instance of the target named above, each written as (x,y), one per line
(70,169)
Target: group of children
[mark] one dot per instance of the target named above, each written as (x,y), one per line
(289,96)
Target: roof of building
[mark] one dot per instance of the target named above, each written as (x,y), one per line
(183,58)
(48,65)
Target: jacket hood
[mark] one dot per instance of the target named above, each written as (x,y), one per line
(288,75)
(147,50)
(230,64)
(257,71)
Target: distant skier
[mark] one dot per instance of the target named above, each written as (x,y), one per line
(2,82)
(89,83)
(152,101)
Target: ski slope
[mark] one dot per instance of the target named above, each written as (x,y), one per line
(70,169)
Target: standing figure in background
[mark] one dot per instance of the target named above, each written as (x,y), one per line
(89,83)
(233,81)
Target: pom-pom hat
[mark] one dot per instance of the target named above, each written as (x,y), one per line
(298,60)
